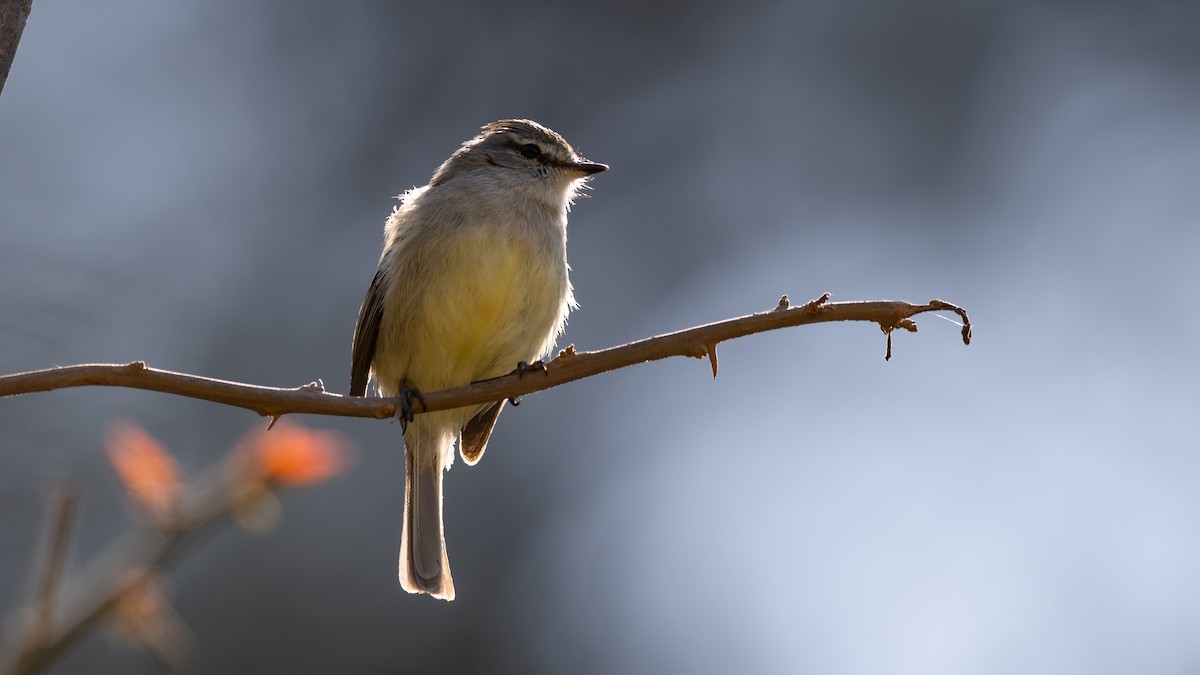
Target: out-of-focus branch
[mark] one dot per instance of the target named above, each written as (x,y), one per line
(570,365)
(13,15)
(100,586)
(57,535)
(236,485)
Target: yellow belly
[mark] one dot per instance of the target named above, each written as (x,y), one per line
(492,304)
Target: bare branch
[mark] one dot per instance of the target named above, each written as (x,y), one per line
(266,401)
(55,624)
(698,342)
(13,15)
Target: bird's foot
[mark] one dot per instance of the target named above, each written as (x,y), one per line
(407,394)
(523,368)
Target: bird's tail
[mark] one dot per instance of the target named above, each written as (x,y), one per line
(424,567)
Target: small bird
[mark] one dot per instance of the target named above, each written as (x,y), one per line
(473,280)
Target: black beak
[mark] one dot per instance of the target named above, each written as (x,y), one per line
(587,168)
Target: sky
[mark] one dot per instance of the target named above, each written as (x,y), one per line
(203,185)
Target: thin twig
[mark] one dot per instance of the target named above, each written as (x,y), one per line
(38,637)
(699,342)
(63,507)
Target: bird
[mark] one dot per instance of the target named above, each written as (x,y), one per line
(473,279)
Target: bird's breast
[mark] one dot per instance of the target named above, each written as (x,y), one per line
(485,301)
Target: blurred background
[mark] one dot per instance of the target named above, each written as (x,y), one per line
(203,185)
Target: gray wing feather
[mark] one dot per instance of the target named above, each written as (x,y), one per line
(366,334)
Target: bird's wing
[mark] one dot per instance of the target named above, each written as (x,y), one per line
(477,432)
(366,334)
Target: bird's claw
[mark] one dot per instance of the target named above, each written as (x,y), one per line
(523,368)
(407,394)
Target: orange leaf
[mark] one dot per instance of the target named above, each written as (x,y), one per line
(148,472)
(293,455)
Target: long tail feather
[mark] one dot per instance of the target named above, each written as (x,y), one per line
(424,566)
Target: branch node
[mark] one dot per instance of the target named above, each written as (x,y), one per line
(813,305)
(784,303)
(566,352)
(318,386)
(137,366)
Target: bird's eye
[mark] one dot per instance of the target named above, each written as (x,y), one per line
(530,151)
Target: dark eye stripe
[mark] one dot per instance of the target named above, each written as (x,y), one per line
(530,151)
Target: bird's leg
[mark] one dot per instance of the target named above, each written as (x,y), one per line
(407,394)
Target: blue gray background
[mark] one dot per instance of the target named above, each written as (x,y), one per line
(203,185)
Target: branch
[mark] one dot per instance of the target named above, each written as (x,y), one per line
(56,624)
(234,486)
(119,570)
(568,366)
(13,15)
(41,618)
